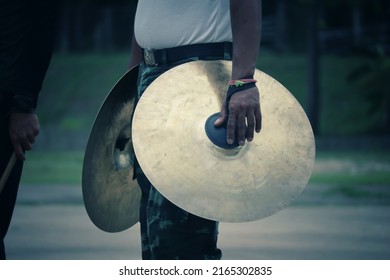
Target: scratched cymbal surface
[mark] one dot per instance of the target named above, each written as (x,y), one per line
(239,185)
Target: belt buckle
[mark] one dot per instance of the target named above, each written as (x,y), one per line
(149,57)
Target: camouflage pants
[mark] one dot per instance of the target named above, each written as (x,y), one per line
(168,232)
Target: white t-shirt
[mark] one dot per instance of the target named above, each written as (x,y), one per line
(163,24)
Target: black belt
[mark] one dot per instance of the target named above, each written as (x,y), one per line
(201,51)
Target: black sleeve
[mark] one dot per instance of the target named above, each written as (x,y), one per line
(27,30)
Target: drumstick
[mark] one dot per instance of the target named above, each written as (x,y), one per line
(7,171)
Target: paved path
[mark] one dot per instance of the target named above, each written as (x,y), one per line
(51,223)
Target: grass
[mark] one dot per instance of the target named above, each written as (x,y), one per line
(346,179)
(356,192)
(342,111)
(54,168)
(76,85)
(352,168)
(345,170)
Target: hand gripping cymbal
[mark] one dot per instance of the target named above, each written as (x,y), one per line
(229,185)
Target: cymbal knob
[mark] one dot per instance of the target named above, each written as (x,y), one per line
(218,134)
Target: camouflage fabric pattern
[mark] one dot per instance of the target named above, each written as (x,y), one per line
(168,232)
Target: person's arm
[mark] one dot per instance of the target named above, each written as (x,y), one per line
(135,54)
(27,31)
(244,106)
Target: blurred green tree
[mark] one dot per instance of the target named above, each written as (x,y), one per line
(371,81)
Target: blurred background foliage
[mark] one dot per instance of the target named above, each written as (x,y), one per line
(333,55)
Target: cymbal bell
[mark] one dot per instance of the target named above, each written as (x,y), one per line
(111,196)
(229,185)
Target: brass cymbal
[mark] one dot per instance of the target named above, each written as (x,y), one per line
(229,185)
(111,196)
